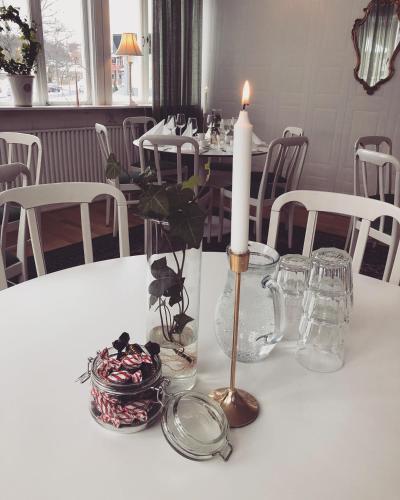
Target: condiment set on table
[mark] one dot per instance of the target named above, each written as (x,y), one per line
(300,301)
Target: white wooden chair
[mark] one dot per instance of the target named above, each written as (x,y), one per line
(373,178)
(293,132)
(26,149)
(133,127)
(32,197)
(125,182)
(365,209)
(181,171)
(15,265)
(282,171)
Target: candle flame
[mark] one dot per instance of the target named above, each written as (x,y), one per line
(246,94)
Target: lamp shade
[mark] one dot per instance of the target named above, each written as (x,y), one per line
(128,45)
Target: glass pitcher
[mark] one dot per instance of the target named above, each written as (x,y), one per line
(260,307)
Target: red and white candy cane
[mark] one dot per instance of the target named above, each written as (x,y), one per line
(146,359)
(137,377)
(132,360)
(120,377)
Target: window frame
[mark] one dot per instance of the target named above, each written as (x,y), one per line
(97,53)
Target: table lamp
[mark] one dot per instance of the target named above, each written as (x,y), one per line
(128,46)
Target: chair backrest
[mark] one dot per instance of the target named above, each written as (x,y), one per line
(365,209)
(376,142)
(9,172)
(133,127)
(379,163)
(178,142)
(32,197)
(14,139)
(285,158)
(103,140)
(293,132)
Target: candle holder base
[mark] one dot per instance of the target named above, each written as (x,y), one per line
(240,407)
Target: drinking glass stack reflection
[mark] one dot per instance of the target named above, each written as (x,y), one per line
(327,305)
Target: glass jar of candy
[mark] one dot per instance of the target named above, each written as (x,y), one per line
(127,394)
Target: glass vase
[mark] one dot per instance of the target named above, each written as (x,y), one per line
(173,288)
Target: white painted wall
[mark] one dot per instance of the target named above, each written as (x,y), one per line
(299,58)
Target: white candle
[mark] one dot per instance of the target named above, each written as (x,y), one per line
(241,172)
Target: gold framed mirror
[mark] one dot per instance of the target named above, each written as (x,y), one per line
(376,39)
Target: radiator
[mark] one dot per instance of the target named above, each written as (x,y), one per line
(71,155)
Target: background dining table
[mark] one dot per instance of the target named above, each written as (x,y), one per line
(318,436)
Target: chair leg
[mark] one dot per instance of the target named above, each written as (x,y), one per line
(349,234)
(210,211)
(221,215)
(108,209)
(21,245)
(259,221)
(290,225)
(115,220)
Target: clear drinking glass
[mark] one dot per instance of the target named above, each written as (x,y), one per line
(292,277)
(326,311)
(180,122)
(193,123)
(171,123)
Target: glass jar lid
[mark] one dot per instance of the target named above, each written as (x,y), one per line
(196,426)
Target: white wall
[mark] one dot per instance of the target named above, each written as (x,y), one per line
(299,58)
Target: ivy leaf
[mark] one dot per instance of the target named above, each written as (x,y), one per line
(165,286)
(159,269)
(178,197)
(113,167)
(154,202)
(188,225)
(191,183)
(181,320)
(152,300)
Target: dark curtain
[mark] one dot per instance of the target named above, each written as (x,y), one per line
(176,52)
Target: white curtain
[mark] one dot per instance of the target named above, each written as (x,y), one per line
(378,38)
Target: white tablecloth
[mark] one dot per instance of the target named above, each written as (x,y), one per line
(318,437)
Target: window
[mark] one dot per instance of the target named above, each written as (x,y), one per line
(12,46)
(129,16)
(68,72)
(67,68)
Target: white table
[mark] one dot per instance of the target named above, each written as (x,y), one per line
(213,151)
(318,437)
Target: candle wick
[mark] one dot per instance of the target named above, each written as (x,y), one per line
(244,107)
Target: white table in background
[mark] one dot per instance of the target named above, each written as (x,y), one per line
(318,437)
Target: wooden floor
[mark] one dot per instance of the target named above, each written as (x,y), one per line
(62,227)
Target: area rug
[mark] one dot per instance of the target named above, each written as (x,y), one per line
(106,247)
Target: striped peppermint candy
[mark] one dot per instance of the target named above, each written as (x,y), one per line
(120,377)
(137,377)
(132,360)
(146,359)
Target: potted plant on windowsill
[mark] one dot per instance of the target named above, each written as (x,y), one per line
(21,66)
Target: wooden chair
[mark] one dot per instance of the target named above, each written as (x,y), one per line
(125,182)
(365,209)
(373,178)
(293,132)
(133,127)
(26,149)
(15,265)
(282,171)
(32,197)
(181,171)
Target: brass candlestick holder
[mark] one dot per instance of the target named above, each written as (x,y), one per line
(240,407)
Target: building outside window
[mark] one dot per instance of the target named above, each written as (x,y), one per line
(65,75)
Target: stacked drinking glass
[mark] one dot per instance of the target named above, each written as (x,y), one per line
(327,304)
